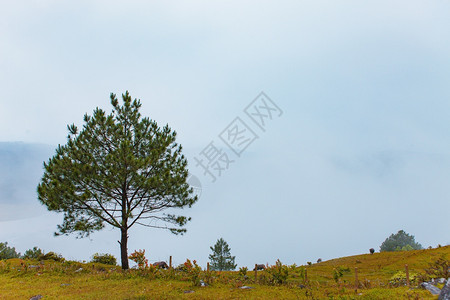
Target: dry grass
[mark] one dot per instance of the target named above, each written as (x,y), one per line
(66,281)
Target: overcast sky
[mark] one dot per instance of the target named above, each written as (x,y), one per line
(357,148)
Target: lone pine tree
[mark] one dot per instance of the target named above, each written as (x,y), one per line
(121,169)
(221,259)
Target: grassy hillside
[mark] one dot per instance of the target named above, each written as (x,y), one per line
(380,266)
(21,279)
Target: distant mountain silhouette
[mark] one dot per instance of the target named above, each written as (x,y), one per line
(21,168)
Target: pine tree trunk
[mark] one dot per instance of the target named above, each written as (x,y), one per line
(124,249)
(124,230)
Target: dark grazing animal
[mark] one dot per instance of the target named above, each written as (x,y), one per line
(259,267)
(372,251)
(161,265)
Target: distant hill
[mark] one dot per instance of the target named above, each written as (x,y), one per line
(21,168)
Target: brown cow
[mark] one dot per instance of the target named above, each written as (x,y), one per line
(161,265)
(259,267)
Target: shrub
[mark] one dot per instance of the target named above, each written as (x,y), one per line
(338,272)
(34,253)
(181,267)
(51,256)
(193,271)
(264,278)
(302,273)
(8,252)
(243,271)
(293,267)
(107,259)
(278,273)
(139,258)
(209,276)
(399,278)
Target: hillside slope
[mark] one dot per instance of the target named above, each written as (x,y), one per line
(380,266)
(74,280)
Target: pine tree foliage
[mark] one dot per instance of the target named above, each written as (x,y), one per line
(7,252)
(221,259)
(400,241)
(121,169)
(34,253)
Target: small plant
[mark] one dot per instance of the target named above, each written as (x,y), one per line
(187,265)
(302,273)
(278,273)
(107,259)
(264,278)
(34,253)
(151,270)
(399,279)
(293,267)
(5,266)
(52,256)
(193,271)
(209,275)
(338,272)
(139,258)
(243,272)
(180,267)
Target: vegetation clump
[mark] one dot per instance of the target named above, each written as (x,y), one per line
(7,252)
(51,256)
(107,259)
(401,241)
(221,259)
(278,273)
(34,253)
(399,279)
(243,272)
(338,272)
(193,271)
(139,258)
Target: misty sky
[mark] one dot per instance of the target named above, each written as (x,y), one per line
(358,149)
